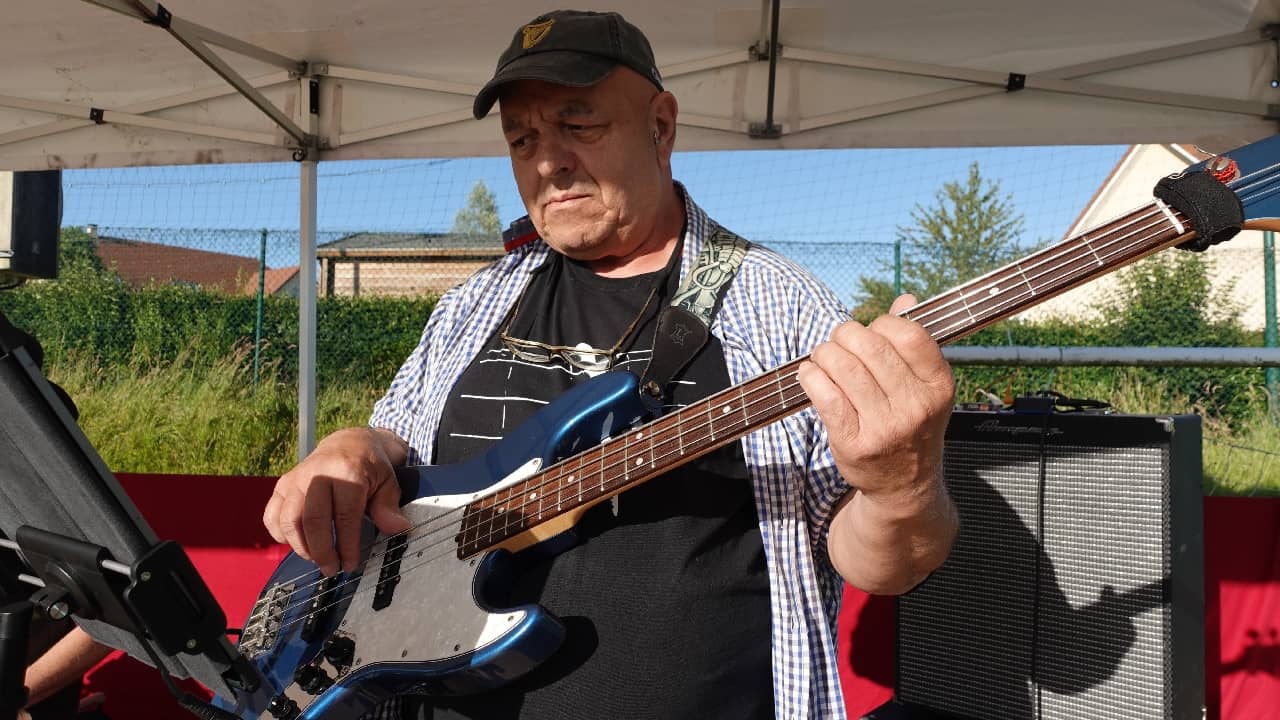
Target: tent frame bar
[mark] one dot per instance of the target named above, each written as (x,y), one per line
(194,37)
(142,108)
(102,117)
(449,117)
(1001,80)
(410,82)
(991,83)
(980,83)
(153,13)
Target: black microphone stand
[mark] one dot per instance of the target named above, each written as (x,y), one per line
(15,619)
(161,600)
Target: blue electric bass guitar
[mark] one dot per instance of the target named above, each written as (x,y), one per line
(416,617)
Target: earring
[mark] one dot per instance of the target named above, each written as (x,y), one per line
(657,140)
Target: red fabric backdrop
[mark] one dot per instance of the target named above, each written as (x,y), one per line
(218,520)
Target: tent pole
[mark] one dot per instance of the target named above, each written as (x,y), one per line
(309,88)
(768,129)
(307,309)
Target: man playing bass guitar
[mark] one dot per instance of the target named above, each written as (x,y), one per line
(711,591)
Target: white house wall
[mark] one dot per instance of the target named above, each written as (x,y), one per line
(1237,261)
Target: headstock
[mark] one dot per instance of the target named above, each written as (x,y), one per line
(1258,181)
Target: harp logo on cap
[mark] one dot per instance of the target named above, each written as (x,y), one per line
(535,32)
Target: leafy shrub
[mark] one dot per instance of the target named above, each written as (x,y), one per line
(89,312)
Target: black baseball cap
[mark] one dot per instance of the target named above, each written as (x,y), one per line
(570,47)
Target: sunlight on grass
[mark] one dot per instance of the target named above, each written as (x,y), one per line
(192,418)
(183,418)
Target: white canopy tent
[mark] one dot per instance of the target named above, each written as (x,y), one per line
(201,82)
(395,78)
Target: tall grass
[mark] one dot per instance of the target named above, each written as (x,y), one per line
(197,418)
(191,417)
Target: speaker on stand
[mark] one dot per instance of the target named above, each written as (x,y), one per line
(1075,587)
(30,215)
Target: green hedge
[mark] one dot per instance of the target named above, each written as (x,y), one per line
(89,313)
(1226,393)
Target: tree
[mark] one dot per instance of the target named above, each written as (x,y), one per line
(971,230)
(479,217)
(1171,300)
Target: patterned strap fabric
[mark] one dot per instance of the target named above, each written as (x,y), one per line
(718,260)
(685,326)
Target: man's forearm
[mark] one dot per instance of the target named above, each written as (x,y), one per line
(889,545)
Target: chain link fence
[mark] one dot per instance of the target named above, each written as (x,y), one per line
(181,343)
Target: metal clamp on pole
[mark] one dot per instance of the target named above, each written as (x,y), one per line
(163,18)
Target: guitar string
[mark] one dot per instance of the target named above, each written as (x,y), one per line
(605,456)
(607,461)
(1247,183)
(1257,178)
(1251,182)
(1064,251)
(998,309)
(605,480)
(1010,272)
(711,404)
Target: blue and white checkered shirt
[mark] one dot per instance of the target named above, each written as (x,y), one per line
(773,312)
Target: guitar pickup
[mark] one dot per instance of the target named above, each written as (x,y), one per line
(320,608)
(389,575)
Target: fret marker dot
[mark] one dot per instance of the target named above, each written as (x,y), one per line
(727,410)
(639,461)
(995,290)
(533,495)
(639,435)
(572,478)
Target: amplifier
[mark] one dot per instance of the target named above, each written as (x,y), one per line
(1075,588)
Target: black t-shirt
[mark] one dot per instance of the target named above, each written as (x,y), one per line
(666,598)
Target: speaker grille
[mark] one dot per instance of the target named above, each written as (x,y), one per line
(1056,600)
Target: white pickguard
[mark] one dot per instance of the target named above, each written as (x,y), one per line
(433,615)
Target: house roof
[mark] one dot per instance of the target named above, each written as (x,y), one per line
(273,280)
(1189,154)
(411,241)
(140,263)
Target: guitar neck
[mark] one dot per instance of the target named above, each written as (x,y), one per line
(1052,271)
(697,429)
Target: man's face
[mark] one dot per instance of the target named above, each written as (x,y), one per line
(586,163)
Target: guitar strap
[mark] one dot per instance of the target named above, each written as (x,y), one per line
(684,325)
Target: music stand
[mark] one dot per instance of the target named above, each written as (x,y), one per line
(85,541)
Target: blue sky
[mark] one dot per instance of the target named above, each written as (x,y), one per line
(823,207)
